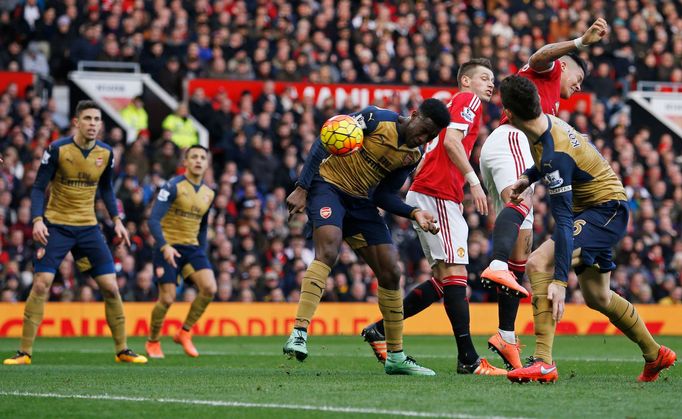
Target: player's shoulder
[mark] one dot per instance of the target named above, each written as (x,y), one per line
(102,144)
(466,100)
(176,180)
(55,145)
(375,113)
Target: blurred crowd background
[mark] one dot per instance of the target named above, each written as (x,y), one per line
(260,142)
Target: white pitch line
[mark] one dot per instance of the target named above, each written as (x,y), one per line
(336,355)
(246,405)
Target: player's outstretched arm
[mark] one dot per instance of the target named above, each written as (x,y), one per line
(544,57)
(455,149)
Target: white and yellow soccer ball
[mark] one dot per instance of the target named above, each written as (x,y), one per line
(341,135)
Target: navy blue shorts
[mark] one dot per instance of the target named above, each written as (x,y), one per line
(87,244)
(358,218)
(596,231)
(192,259)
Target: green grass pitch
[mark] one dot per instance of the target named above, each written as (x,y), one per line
(249,377)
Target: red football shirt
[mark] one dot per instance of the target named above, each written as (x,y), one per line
(439,177)
(548,83)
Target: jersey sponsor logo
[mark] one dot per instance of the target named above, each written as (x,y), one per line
(468,115)
(99,162)
(46,157)
(325,212)
(461,252)
(163,195)
(560,190)
(553,180)
(578,226)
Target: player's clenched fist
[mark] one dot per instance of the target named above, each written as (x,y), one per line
(595,33)
(426,221)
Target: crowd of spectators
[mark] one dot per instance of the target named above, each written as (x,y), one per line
(259,143)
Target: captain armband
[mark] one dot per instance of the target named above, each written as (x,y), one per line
(560,283)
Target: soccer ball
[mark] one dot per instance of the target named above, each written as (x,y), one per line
(341,135)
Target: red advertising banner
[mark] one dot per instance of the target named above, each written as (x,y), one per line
(20,78)
(268,319)
(362,94)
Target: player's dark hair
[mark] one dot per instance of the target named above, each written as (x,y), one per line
(196,146)
(435,110)
(467,69)
(86,104)
(520,96)
(581,63)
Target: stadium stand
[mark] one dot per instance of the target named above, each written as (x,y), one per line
(259,143)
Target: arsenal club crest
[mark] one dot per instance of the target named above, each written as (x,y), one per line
(325,212)
(99,162)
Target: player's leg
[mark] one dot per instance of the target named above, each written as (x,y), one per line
(424,294)
(204,279)
(383,258)
(504,157)
(595,286)
(505,342)
(596,230)
(46,261)
(165,276)
(326,215)
(93,256)
(167,292)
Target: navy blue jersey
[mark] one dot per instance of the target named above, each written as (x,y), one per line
(377,171)
(578,178)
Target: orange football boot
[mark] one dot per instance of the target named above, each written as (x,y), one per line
(153,348)
(184,338)
(535,370)
(666,358)
(506,280)
(510,353)
(127,355)
(20,358)
(480,367)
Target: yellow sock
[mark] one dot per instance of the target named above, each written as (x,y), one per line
(391,306)
(314,283)
(113,309)
(542,315)
(33,316)
(158,314)
(624,316)
(196,310)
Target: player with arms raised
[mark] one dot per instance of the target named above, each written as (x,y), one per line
(179,224)
(75,167)
(341,195)
(590,209)
(438,187)
(557,72)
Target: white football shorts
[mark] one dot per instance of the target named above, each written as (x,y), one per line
(450,244)
(505,155)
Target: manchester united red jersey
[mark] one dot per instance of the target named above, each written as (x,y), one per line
(439,177)
(549,87)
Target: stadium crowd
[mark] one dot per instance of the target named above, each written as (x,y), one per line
(259,143)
